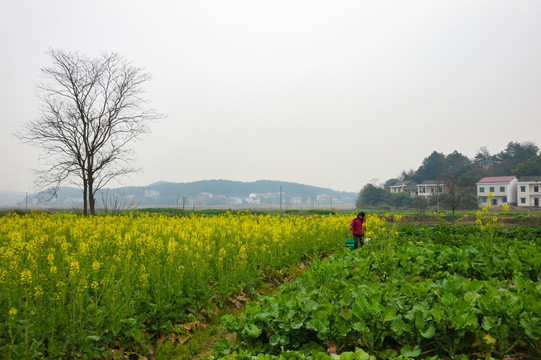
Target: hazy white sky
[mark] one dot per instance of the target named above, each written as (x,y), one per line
(325,93)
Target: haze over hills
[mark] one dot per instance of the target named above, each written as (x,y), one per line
(198,194)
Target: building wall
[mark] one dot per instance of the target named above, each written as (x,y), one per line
(529,193)
(504,192)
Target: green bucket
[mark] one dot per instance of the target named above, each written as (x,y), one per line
(350,244)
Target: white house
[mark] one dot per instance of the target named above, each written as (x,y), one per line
(503,188)
(409,187)
(295,200)
(529,191)
(254,198)
(429,188)
(233,200)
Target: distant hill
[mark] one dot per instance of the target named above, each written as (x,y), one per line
(201,194)
(11,198)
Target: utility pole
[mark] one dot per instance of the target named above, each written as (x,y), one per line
(280,197)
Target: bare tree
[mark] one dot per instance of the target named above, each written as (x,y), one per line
(113,204)
(92,111)
(455,189)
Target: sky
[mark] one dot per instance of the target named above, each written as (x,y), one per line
(332,93)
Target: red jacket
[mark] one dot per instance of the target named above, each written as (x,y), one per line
(357,226)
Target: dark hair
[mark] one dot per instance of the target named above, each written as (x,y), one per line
(361,214)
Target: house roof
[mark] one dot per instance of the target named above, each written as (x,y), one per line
(529,178)
(404,183)
(430,182)
(412,186)
(496,179)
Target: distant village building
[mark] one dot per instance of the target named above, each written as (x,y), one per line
(295,200)
(254,199)
(231,201)
(529,191)
(152,194)
(429,188)
(409,187)
(497,190)
(323,198)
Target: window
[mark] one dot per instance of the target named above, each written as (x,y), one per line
(523,200)
(483,199)
(491,189)
(481,189)
(523,189)
(536,188)
(502,188)
(494,201)
(504,199)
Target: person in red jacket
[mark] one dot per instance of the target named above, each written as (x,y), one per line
(358,227)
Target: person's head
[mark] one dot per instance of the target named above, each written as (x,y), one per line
(361,215)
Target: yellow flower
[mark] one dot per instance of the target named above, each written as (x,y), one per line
(53,269)
(144,278)
(96,266)
(3,276)
(12,313)
(38,291)
(94,285)
(74,268)
(26,277)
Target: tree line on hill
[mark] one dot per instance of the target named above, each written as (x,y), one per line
(458,175)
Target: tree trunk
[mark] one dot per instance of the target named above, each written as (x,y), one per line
(90,180)
(91,200)
(85,197)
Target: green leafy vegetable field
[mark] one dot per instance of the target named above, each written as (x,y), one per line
(414,292)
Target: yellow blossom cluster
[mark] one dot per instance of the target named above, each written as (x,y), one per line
(486,220)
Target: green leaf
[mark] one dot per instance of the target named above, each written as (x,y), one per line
(362,355)
(490,322)
(318,325)
(296,324)
(428,333)
(348,356)
(399,326)
(407,351)
(310,305)
(135,333)
(531,326)
(252,330)
(322,356)
(230,322)
(389,313)
(274,340)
